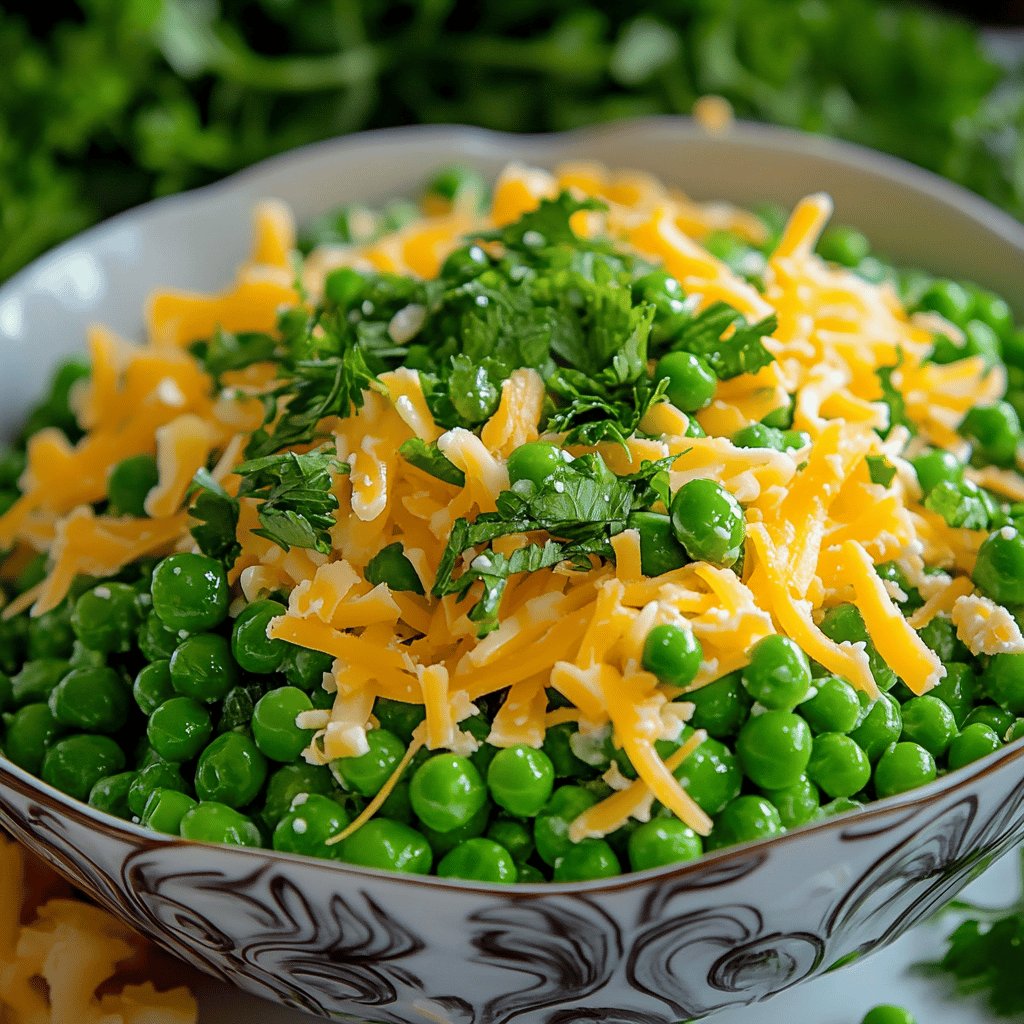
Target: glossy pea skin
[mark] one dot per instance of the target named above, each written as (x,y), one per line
(50,635)
(1003,680)
(937,467)
(446,791)
(660,552)
(774,748)
(929,722)
(398,718)
(37,679)
(551,826)
(974,742)
(290,781)
(558,747)
(902,767)
(366,773)
(880,727)
(158,775)
(164,810)
(307,826)
(708,522)
(1015,731)
(106,618)
(710,775)
(110,794)
(745,819)
(940,636)
(949,299)
(662,841)
(202,668)
(999,571)
(844,245)
(157,641)
(837,765)
(129,483)
(995,432)
(844,623)
(721,707)
(29,732)
(587,860)
(90,699)
(833,707)
(388,845)
(758,435)
(179,729)
(444,842)
(211,822)
(514,836)
(479,860)
(536,462)
(673,654)
(274,726)
(887,1013)
(521,780)
(254,651)
(231,770)
(75,764)
(995,718)
(797,804)
(305,669)
(691,381)
(778,675)
(190,592)
(957,690)
(993,310)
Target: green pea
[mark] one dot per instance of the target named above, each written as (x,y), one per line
(708,522)
(274,726)
(937,467)
(957,690)
(152,686)
(479,860)
(1003,680)
(929,722)
(129,483)
(521,779)
(551,826)
(457,181)
(691,381)
(74,765)
(886,1013)
(995,431)
(50,635)
(399,718)
(778,675)
(447,791)
(37,680)
(253,650)
(844,245)
(841,805)
(202,668)
(158,775)
(587,860)
(391,566)
(758,435)
(950,300)
(305,669)
(995,718)
(774,748)
(838,765)
(211,822)
(721,707)
(366,773)
(710,775)
(1015,731)
(514,836)
(940,636)
(110,794)
(832,707)
(746,819)
(529,874)
(190,592)
(388,845)
(29,732)
(880,727)
(993,310)
(157,641)
(536,462)
(902,767)
(231,770)
(694,429)
(398,805)
(288,782)
(164,810)
(844,623)
(673,654)
(999,571)
(663,841)
(558,742)
(444,842)
(179,729)
(306,827)
(90,699)
(797,804)
(660,552)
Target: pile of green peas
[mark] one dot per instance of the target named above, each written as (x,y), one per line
(144,696)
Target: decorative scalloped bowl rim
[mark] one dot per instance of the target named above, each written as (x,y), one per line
(467,143)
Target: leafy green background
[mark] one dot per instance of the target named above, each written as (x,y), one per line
(106,103)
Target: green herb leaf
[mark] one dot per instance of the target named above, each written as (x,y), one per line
(880,469)
(743,351)
(430,459)
(961,504)
(892,397)
(545,227)
(216,513)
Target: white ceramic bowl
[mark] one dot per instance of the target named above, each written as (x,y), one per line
(649,948)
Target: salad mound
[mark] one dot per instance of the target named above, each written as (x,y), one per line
(526,534)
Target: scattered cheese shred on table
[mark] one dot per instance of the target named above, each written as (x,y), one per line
(817,522)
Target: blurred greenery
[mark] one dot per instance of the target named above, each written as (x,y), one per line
(105,103)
